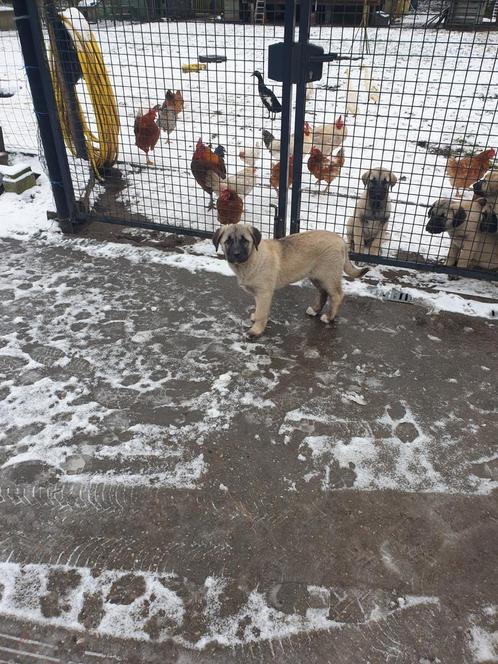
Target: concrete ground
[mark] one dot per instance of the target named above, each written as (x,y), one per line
(172,493)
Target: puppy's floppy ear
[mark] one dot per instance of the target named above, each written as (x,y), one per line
(256,236)
(217,238)
(393,179)
(459,217)
(365,177)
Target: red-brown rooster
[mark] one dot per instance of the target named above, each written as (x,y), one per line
(147,132)
(208,168)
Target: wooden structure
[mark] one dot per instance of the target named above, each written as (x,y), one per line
(325,12)
(465,13)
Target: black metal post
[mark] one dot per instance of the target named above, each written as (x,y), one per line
(290,24)
(4,157)
(304,29)
(35,59)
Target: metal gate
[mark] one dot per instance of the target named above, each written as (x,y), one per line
(360,85)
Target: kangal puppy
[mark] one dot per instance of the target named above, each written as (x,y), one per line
(367,227)
(263,266)
(487,188)
(463,221)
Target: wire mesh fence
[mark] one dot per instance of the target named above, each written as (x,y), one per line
(17,117)
(152,64)
(191,127)
(421,104)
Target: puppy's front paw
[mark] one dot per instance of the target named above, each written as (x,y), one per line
(253,316)
(311,312)
(255,332)
(325,319)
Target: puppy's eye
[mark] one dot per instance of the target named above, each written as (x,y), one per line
(373,180)
(228,240)
(244,240)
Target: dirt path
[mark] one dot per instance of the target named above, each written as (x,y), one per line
(170,492)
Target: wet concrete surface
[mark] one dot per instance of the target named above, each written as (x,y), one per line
(171,492)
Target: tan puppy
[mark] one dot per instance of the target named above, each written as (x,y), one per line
(367,227)
(488,188)
(263,266)
(463,221)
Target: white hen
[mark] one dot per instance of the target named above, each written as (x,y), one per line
(250,155)
(242,182)
(329,137)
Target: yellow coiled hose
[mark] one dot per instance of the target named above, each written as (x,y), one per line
(102,146)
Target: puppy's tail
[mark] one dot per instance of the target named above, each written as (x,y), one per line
(353,271)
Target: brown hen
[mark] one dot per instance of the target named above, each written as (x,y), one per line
(463,172)
(275,174)
(174,101)
(146,132)
(325,168)
(230,207)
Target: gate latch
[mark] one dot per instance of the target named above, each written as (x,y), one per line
(313,58)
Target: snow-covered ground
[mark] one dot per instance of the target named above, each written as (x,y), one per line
(125,621)
(435,86)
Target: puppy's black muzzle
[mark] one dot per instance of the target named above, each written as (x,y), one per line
(436,225)
(377,194)
(489,222)
(236,258)
(237,253)
(478,187)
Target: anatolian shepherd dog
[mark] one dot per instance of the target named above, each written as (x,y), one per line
(263,266)
(367,227)
(488,188)
(464,221)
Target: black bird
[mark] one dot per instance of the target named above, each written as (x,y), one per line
(270,102)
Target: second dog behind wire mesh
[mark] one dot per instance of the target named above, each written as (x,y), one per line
(488,188)
(464,220)
(263,266)
(367,227)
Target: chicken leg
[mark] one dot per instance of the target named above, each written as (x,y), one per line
(211,205)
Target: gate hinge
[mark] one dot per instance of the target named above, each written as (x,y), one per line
(311,57)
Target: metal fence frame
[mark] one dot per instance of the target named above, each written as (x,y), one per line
(295,61)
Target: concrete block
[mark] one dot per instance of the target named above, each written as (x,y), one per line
(18,178)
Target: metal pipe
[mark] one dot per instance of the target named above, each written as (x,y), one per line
(35,59)
(304,28)
(280,225)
